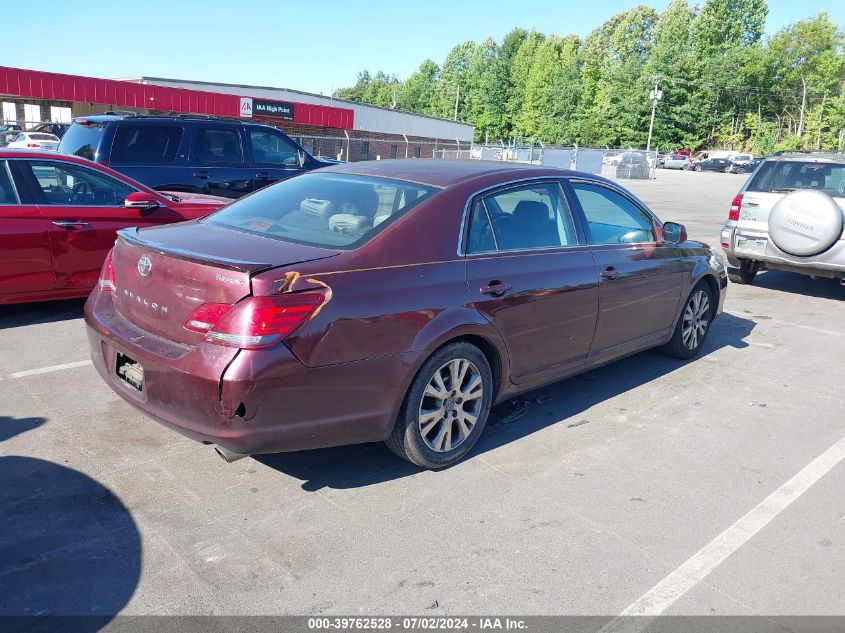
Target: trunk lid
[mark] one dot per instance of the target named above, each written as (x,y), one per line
(163,273)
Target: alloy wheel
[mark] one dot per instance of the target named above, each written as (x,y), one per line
(450,405)
(696,319)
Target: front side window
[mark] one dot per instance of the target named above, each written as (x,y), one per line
(611,217)
(274,150)
(66,184)
(218,146)
(323,209)
(524,217)
(146,144)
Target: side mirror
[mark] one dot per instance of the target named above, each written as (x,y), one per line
(141,200)
(674,233)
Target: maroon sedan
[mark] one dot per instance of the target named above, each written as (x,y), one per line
(58,219)
(391,300)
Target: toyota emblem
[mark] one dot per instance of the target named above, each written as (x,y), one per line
(144,266)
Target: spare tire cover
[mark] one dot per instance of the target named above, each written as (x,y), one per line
(805,222)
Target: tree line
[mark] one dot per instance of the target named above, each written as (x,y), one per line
(724,85)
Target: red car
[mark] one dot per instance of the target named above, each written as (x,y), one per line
(391,300)
(59,216)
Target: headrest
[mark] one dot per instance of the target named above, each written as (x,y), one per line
(531,212)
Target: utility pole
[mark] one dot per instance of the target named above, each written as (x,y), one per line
(655,96)
(457,96)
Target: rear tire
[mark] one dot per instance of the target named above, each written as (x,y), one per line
(693,324)
(445,408)
(697,168)
(746,272)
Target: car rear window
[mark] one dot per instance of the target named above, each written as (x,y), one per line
(146,144)
(82,140)
(323,209)
(43,137)
(782,176)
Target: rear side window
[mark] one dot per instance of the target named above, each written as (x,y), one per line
(7,192)
(218,146)
(611,217)
(524,217)
(271,149)
(83,140)
(323,209)
(785,176)
(146,143)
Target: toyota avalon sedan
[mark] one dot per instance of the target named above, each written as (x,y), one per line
(391,301)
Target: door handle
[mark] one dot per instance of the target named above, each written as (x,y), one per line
(201,174)
(495,288)
(263,175)
(609,273)
(68,224)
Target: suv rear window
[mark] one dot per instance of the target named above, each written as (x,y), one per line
(82,140)
(782,176)
(146,143)
(323,209)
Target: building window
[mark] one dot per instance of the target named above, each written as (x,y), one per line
(365,150)
(10,112)
(417,151)
(59,114)
(31,114)
(393,151)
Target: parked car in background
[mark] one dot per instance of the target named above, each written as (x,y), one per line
(57,129)
(633,165)
(8,132)
(710,164)
(682,152)
(35,140)
(196,154)
(744,166)
(676,161)
(59,216)
(293,324)
(789,216)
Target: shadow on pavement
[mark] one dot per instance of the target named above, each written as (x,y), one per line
(795,283)
(68,546)
(43,312)
(9,427)
(367,464)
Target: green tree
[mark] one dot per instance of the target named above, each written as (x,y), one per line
(552,92)
(520,66)
(453,81)
(417,93)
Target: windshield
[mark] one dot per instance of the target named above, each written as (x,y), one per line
(323,209)
(784,176)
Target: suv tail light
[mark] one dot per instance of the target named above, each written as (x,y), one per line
(107,281)
(255,322)
(735,206)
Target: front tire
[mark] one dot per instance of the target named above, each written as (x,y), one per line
(694,323)
(445,408)
(746,272)
(697,168)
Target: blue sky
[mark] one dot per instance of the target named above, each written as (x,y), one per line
(311,46)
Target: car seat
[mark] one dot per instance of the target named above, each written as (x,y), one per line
(530,226)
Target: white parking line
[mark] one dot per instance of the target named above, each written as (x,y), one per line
(670,589)
(44,370)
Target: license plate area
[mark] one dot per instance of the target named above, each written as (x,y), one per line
(130,372)
(750,244)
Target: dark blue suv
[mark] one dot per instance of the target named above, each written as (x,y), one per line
(187,153)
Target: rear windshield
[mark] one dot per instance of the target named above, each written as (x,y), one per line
(323,209)
(784,176)
(82,140)
(145,143)
(43,137)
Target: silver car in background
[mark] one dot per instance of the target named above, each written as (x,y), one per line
(789,216)
(676,161)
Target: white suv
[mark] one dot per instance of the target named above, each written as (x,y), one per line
(789,216)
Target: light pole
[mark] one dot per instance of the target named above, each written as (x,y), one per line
(655,96)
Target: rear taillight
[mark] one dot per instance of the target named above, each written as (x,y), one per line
(107,281)
(735,206)
(255,322)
